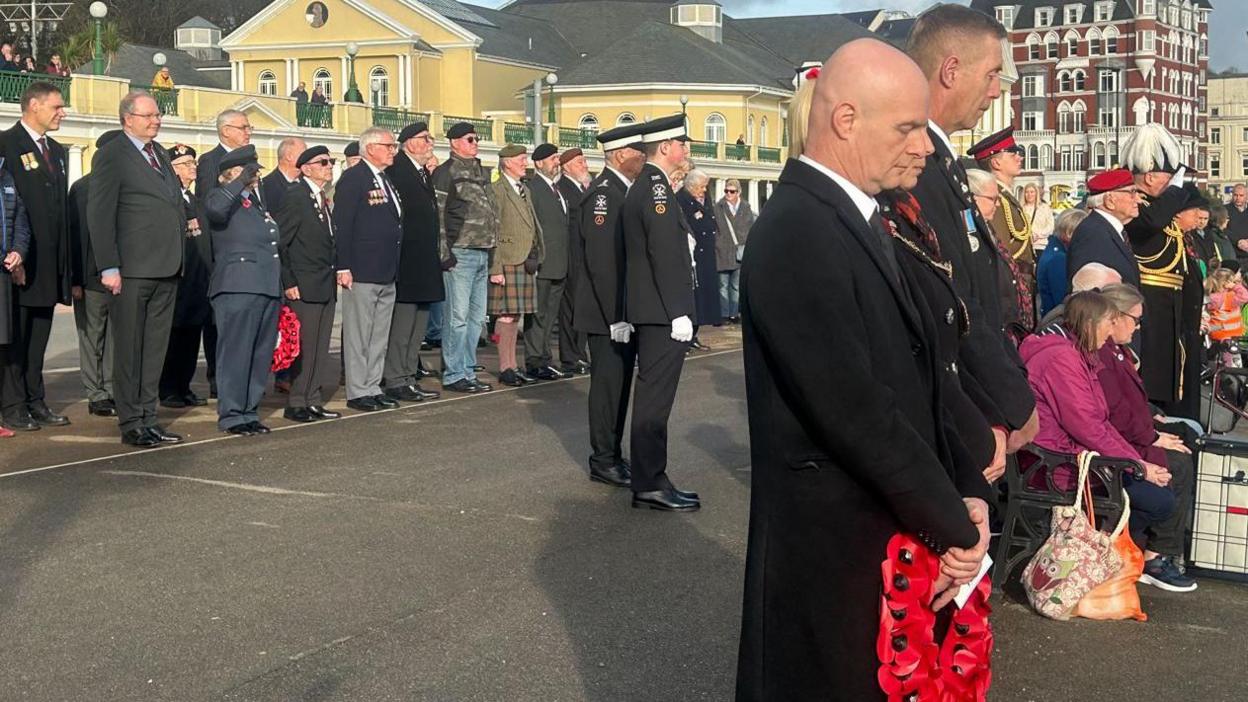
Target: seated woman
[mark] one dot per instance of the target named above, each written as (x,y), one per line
(1062,367)
(1131,415)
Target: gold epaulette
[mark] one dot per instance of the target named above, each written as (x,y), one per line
(1172,281)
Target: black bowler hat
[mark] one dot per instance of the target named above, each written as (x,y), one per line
(412,130)
(544,151)
(178,151)
(353,149)
(311,153)
(107,137)
(241,156)
(460,130)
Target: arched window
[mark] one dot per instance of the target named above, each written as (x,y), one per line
(1098,155)
(1064,83)
(1063,118)
(762,133)
(1046,158)
(1050,43)
(267,83)
(1079,112)
(749,129)
(1094,41)
(1033,47)
(325,81)
(1080,81)
(625,118)
(1113,154)
(589,122)
(1111,40)
(1072,43)
(379,86)
(715,128)
(1033,158)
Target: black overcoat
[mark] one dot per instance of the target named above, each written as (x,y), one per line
(192,308)
(420,270)
(700,216)
(45,191)
(1096,241)
(306,247)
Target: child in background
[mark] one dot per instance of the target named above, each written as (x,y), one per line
(1227,296)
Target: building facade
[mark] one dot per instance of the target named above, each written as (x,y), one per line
(1227,143)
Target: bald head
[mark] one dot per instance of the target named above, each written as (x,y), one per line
(868,116)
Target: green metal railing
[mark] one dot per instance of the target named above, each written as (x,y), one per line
(396,119)
(768,155)
(13,84)
(166,98)
(484,127)
(581,138)
(704,149)
(737,152)
(309,114)
(516,133)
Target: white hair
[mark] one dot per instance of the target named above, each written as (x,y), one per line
(980,181)
(1093,275)
(1097,201)
(227,115)
(695,178)
(373,135)
(1067,222)
(1150,148)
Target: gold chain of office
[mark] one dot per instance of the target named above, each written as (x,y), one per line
(1020,234)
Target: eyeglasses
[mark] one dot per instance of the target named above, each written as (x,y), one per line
(242,128)
(146,115)
(323,162)
(424,137)
(471,139)
(387,144)
(987,198)
(730,192)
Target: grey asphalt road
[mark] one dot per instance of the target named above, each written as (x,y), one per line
(455,551)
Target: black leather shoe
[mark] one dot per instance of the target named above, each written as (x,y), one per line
(423,372)
(165,436)
(173,402)
(212,392)
(545,373)
(385,402)
(568,370)
(240,429)
(299,414)
(103,408)
(691,496)
(258,428)
(20,422)
(141,438)
(616,476)
(426,394)
(193,400)
(364,404)
(322,413)
(511,377)
(481,387)
(664,500)
(582,368)
(405,392)
(699,345)
(47,418)
(463,385)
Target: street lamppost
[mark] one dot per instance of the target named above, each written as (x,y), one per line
(684,116)
(551,79)
(353,90)
(375,84)
(98,12)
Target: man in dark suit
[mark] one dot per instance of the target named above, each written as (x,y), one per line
(37,163)
(992,372)
(307,257)
(552,214)
(599,310)
(368,221)
(138,223)
(91,299)
(420,270)
(573,345)
(659,291)
(273,187)
(1114,200)
(842,382)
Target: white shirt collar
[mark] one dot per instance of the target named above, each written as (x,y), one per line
(549,182)
(376,171)
(943,137)
(1117,223)
(865,203)
(316,189)
(34,136)
(627,182)
(515,184)
(419,166)
(224,148)
(733,206)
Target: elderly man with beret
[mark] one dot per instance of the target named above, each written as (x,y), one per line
(573,344)
(552,215)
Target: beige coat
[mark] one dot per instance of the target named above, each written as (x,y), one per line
(519,232)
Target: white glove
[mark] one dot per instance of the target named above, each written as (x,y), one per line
(1176,180)
(682,329)
(621,331)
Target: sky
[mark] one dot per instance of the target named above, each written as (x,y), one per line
(1228,45)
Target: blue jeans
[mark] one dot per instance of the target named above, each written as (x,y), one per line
(466,286)
(433,331)
(728,292)
(1150,506)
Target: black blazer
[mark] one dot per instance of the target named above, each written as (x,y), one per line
(1096,241)
(192,307)
(574,196)
(846,439)
(420,270)
(656,246)
(553,219)
(273,189)
(206,173)
(244,244)
(84,271)
(306,246)
(367,227)
(138,217)
(598,301)
(48,266)
(986,355)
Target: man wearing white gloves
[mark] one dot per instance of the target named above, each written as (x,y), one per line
(659,295)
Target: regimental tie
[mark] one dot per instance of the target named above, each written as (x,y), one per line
(150,152)
(520,189)
(47,156)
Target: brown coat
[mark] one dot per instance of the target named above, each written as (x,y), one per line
(519,234)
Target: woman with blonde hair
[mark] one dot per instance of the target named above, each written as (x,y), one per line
(1040,215)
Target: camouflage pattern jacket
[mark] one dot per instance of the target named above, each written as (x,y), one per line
(469,218)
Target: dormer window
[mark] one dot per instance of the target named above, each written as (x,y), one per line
(1074,14)
(1044,16)
(1103,11)
(704,18)
(1005,15)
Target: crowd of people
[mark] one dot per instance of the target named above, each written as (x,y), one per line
(14,61)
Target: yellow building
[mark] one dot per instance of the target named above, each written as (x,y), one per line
(1227,138)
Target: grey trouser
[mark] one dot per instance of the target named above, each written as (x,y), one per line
(141,317)
(407,331)
(537,336)
(95,344)
(246,336)
(366,312)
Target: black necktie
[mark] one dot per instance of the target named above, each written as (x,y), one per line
(150,151)
(886,243)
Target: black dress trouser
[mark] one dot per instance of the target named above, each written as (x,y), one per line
(142,316)
(181,361)
(610,380)
(23,387)
(659,362)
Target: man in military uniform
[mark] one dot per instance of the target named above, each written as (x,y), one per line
(1173,291)
(598,310)
(191,309)
(659,293)
(1000,156)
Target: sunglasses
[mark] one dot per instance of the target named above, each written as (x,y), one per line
(471,139)
(730,192)
(323,162)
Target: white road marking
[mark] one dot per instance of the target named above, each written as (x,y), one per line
(240,486)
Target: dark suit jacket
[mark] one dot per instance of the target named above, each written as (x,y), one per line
(138,218)
(599,237)
(192,308)
(574,196)
(986,355)
(206,175)
(84,271)
(49,268)
(1096,241)
(306,246)
(367,226)
(273,189)
(244,244)
(656,245)
(549,205)
(841,465)
(420,270)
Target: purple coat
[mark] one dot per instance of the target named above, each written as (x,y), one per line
(1071,405)
(1129,411)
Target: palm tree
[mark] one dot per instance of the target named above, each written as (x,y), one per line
(79,48)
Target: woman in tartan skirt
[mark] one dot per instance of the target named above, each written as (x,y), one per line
(516,260)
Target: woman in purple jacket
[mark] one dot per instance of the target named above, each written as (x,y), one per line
(1062,366)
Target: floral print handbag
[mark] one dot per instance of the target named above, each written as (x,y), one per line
(1076,557)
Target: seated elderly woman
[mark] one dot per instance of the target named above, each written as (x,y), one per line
(1131,415)
(1063,362)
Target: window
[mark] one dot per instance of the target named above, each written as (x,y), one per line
(1080,81)
(1204,46)
(1033,158)
(1215,165)
(1064,159)
(1215,135)
(1073,14)
(1201,130)
(1103,11)
(323,80)
(1033,86)
(1107,117)
(1108,82)
(379,86)
(1033,121)
(1113,154)
(1148,8)
(1063,119)
(589,122)
(267,83)
(1072,43)
(1046,158)
(1051,43)
(1111,41)
(1081,159)
(1044,17)
(762,133)
(1243,164)
(1098,155)
(749,129)
(625,118)
(1080,114)
(1005,15)
(715,128)
(1094,42)
(1033,48)
(1064,84)
(1148,40)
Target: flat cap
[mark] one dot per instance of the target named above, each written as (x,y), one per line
(665,128)
(353,149)
(412,130)
(241,156)
(544,151)
(311,153)
(994,144)
(460,130)
(622,136)
(569,155)
(1110,181)
(511,150)
(178,151)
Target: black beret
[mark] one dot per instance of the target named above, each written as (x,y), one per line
(311,153)
(544,151)
(178,151)
(107,137)
(412,130)
(460,129)
(241,156)
(353,149)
